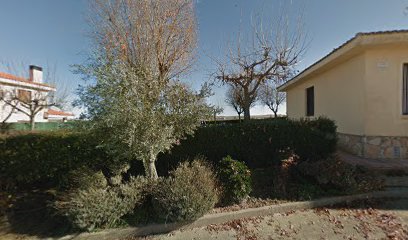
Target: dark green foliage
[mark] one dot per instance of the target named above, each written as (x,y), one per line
(258,143)
(43,126)
(97,204)
(235,179)
(4,127)
(46,158)
(187,194)
(306,191)
(334,175)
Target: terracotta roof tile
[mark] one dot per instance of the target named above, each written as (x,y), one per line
(20,79)
(59,113)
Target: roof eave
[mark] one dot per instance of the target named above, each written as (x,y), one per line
(360,40)
(40,87)
(335,54)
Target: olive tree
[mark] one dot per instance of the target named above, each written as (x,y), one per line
(136,98)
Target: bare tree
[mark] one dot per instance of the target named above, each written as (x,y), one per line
(160,35)
(142,48)
(271,97)
(216,109)
(235,98)
(5,113)
(30,102)
(267,55)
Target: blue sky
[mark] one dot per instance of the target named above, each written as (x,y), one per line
(54,31)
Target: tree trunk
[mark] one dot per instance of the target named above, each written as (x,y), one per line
(275,113)
(239,117)
(152,171)
(247,114)
(32,123)
(247,105)
(150,168)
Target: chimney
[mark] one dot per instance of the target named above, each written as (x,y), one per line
(36,74)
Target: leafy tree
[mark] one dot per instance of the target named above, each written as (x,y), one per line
(137,101)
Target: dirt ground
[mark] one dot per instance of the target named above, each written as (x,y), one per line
(388,221)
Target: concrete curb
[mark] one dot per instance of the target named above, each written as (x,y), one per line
(219,218)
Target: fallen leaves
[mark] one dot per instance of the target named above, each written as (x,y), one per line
(248,203)
(240,226)
(392,226)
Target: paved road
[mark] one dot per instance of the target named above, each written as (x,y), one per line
(388,221)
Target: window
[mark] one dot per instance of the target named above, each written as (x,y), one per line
(405,90)
(310,101)
(24,95)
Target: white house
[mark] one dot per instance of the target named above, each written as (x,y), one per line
(54,115)
(28,89)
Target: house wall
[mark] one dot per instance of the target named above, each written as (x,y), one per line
(17,116)
(384,79)
(385,128)
(339,95)
(364,96)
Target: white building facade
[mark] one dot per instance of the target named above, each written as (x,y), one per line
(29,89)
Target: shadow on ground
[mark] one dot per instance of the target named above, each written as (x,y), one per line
(392,204)
(30,215)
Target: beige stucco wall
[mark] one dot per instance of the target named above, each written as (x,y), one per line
(383,84)
(339,95)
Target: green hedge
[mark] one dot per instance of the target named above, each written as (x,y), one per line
(258,143)
(47,157)
(42,126)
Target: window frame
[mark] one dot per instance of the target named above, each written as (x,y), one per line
(24,95)
(310,106)
(404,90)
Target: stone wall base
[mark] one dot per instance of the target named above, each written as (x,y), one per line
(374,147)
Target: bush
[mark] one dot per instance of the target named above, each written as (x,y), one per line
(306,191)
(187,194)
(285,182)
(260,144)
(235,179)
(4,127)
(99,205)
(332,174)
(45,159)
